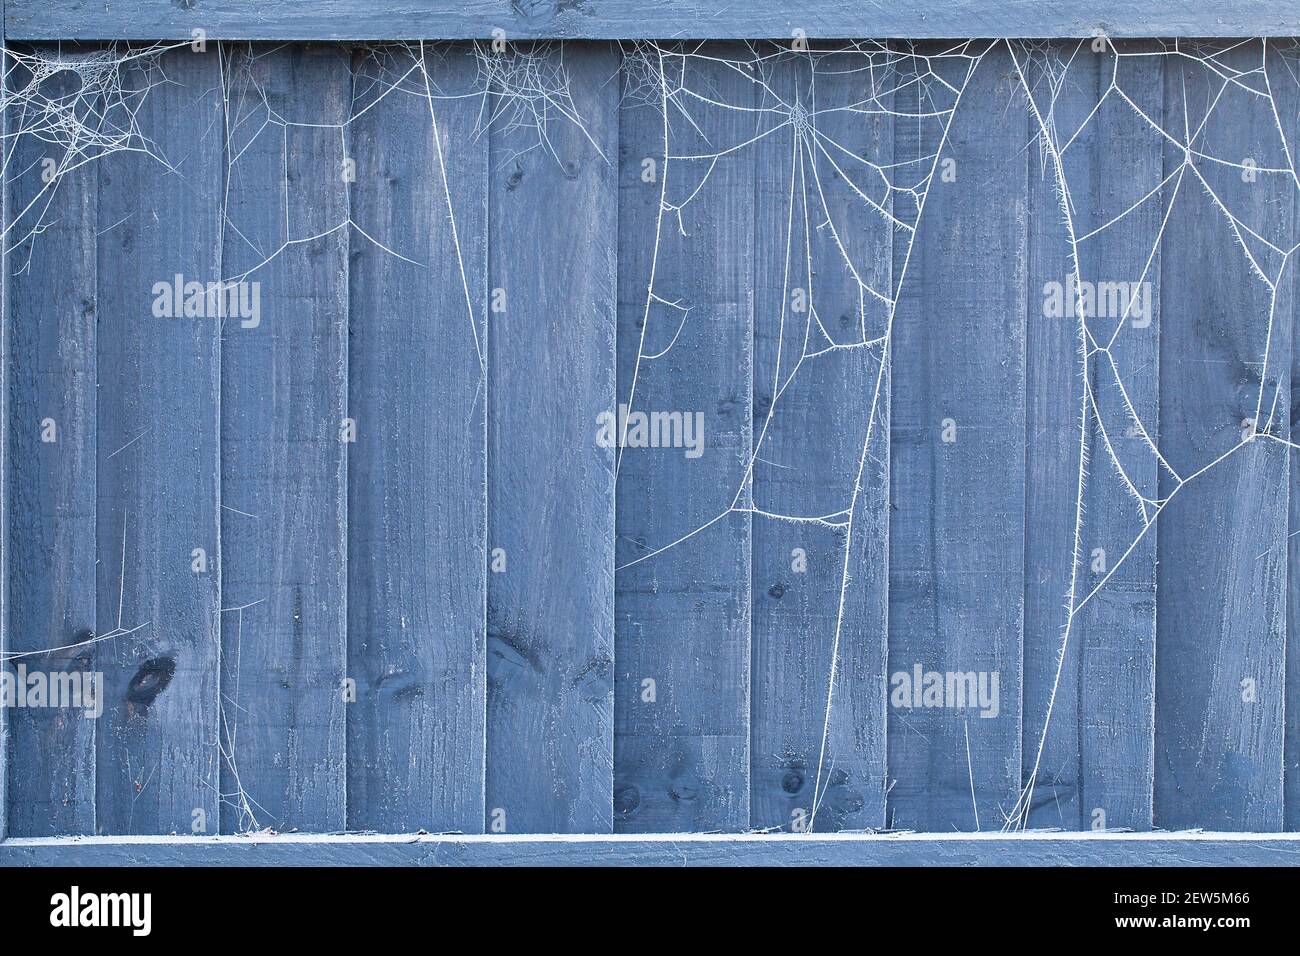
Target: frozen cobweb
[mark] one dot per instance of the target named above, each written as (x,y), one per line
(668,77)
(82,103)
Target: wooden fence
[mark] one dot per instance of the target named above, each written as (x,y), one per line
(655,437)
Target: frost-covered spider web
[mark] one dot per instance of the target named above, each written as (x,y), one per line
(837,208)
(921,88)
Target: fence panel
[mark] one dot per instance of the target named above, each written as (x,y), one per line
(1224,376)
(553,246)
(158,446)
(938,347)
(682,751)
(417,472)
(283,480)
(51,481)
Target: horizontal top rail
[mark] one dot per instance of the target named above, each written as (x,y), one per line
(647,19)
(1046,848)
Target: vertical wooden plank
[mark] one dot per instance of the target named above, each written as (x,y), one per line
(553,213)
(283,400)
(4,429)
(1115,596)
(1063,188)
(958,459)
(51,481)
(1221,626)
(1291,706)
(681,743)
(823,245)
(417,472)
(158,422)
(1090,578)
(1283,66)
(683,555)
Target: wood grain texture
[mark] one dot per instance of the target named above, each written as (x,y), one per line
(416,474)
(1280,63)
(622,19)
(4,466)
(1054,414)
(158,472)
(1116,591)
(1291,756)
(1055,850)
(821,427)
(283,484)
(682,743)
(51,483)
(1096,752)
(553,224)
(956,535)
(1221,627)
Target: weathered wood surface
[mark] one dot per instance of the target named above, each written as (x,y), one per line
(158,452)
(821,431)
(1291,782)
(1089,575)
(1221,623)
(683,553)
(1050,849)
(283,485)
(417,471)
(1115,596)
(1060,176)
(553,213)
(956,539)
(1289,107)
(51,480)
(623,19)
(5,326)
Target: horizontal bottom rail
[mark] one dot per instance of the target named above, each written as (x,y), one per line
(1192,848)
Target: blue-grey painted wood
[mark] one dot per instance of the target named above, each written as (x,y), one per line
(623,19)
(283,400)
(4,444)
(1116,594)
(417,472)
(1050,849)
(1054,410)
(51,479)
(682,741)
(1092,671)
(956,536)
(1054,415)
(1280,64)
(1280,70)
(158,424)
(821,431)
(1221,626)
(553,211)
(1291,756)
